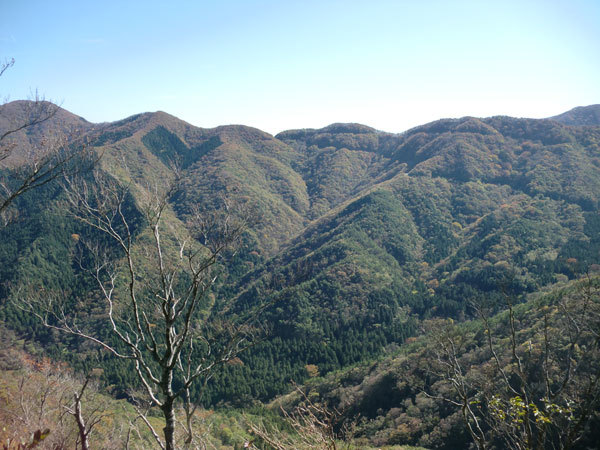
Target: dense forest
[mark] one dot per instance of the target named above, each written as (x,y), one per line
(434,288)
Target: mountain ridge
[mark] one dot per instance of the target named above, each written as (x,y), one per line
(584,113)
(580,116)
(363,233)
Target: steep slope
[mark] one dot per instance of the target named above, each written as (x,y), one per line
(213,165)
(460,209)
(338,161)
(400,397)
(54,122)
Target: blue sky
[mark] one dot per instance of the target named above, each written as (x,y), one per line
(282,64)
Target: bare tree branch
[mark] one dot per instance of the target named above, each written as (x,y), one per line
(154,315)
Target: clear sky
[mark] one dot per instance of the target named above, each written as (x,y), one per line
(283,64)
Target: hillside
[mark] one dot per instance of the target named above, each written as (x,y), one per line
(362,235)
(460,209)
(405,397)
(50,122)
(580,116)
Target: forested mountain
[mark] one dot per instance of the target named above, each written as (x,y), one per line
(29,140)
(407,397)
(456,210)
(580,116)
(362,234)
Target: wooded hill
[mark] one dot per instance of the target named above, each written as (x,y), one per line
(362,234)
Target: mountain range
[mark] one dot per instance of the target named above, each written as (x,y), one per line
(362,234)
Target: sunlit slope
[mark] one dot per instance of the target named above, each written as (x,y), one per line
(212,166)
(361,233)
(459,209)
(580,116)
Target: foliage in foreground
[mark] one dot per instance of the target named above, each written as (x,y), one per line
(536,385)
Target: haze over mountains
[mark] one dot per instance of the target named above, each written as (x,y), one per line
(362,233)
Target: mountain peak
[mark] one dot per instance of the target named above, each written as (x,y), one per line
(20,110)
(334,128)
(580,116)
(54,121)
(354,128)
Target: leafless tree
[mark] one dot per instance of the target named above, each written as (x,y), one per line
(314,425)
(41,400)
(159,316)
(449,345)
(85,423)
(540,382)
(41,163)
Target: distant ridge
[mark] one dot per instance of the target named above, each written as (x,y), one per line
(580,116)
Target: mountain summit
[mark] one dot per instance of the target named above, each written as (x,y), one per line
(580,116)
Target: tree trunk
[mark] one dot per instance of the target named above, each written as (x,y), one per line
(83,435)
(169,429)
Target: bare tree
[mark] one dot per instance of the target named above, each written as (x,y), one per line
(450,344)
(85,422)
(540,382)
(48,158)
(159,317)
(314,425)
(41,399)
